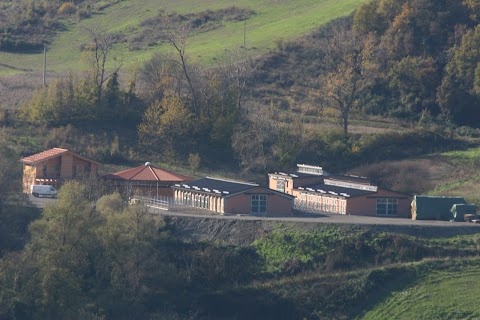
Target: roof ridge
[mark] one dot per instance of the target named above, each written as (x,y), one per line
(153,171)
(137,173)
(170,172)
(234,181)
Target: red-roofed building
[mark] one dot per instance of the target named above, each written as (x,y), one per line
(55,166)
(146,180)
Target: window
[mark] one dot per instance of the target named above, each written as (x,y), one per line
(259,203)
(387,206)
(281,185)
(196,201)
(205,201)
(310,203)
(58,169)
(327,205)
(342,204)
(186,199)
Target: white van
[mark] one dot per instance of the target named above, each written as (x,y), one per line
(43,191)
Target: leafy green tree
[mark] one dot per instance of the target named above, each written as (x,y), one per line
(61,246)
(165,123)
(457,94)
(112,91)
(132,256)
(422,28)
(414,81)
(194,160)
(367,19)
(474,6)
(10,174)
(110,204)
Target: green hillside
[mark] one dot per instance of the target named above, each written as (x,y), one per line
(273,20)
(442,294)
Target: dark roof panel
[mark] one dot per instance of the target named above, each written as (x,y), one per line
(223,186)
(296,174)
(350,178)
(338,190)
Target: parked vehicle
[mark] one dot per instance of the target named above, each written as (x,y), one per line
(43,191)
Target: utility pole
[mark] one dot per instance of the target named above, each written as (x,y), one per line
(245,33)
(44,66)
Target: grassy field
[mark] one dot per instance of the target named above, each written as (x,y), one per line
(441,294)
(274,20)
(466,178)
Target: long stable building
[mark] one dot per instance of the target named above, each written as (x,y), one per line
(232,197)
(339,194)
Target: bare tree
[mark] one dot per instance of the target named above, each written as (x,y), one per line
(241,70)
(253,139)
(101,43)
(348,62)
(161,76)
(178,40)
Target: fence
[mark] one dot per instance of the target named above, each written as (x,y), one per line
(161,203)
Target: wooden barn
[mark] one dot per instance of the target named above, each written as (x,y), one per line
(54,167)
(147,180)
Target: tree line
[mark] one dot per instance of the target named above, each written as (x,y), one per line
(93,256)
(414,60)
(406,59)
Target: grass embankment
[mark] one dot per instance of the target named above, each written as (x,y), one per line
(351,275)
(273,21)
(444,293)
(466,180)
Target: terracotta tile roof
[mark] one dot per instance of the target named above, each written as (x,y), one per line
(51,153)
(42,156)
(147,173)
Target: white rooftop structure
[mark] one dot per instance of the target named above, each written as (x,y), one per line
(305,168)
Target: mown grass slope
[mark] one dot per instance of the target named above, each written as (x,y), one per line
(274,20)
(442,294)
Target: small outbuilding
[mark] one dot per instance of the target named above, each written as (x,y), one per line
(147,180)
(232,197)
(460,210)
(55,166)
(434,208)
